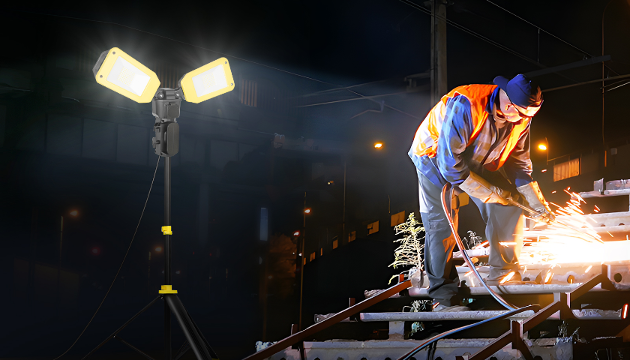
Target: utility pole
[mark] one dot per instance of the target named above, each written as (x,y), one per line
(438,50)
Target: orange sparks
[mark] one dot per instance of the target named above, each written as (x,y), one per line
(507,243)
(596,209)
(624,314)
(507,277)
(588,268)
(548,277)
(482,245)
(579,198)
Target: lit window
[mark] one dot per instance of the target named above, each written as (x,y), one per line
(566,170)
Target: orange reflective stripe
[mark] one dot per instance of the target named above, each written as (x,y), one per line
(426,137)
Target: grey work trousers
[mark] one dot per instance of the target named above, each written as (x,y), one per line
(503,223)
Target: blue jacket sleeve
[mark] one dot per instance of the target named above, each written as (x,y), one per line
(454,136)
(519,165)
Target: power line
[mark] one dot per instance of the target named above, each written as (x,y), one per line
(214,51)
(473,33)
(547,32)
(539,28)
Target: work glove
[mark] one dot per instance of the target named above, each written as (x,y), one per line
(531,192)
(478,187)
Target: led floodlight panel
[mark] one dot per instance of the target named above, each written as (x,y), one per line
(126,76)
(208,81)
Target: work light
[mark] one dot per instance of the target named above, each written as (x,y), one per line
(125,75)
(208,81)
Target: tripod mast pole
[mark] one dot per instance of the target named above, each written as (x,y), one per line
(166,109)
(167,256)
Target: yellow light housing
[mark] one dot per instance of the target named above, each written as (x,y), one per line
(125,75)
(208,81)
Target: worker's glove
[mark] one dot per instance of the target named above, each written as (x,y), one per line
(537,201)
(478,187)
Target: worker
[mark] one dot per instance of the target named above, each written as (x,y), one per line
(474,138)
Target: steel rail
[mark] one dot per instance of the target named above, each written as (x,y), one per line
(309,331)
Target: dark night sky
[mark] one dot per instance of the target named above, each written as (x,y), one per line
(321,45)
(352,42)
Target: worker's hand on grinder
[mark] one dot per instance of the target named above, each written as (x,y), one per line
(537,202)
(478,187)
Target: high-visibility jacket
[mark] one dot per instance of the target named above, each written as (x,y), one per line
(459,121)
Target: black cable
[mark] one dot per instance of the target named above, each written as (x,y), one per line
(121,264)
(466,327)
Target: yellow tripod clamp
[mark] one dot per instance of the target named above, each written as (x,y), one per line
(166,230)
(167,289)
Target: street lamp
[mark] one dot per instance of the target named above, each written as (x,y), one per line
(378,145)
(118,71)
(544,146)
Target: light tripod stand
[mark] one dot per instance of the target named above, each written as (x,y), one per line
(166,109)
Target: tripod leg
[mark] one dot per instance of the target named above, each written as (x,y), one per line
(195,340)
(168,351)
(212,353)
(121,328)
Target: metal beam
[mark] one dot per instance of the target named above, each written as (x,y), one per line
(572,65)
(309,331)
(587,82)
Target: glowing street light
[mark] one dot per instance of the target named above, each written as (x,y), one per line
(74,213)
(158,249)
(378,145)
(297,233)
(307,211)
(542,147)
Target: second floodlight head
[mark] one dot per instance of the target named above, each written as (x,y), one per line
(123,74)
